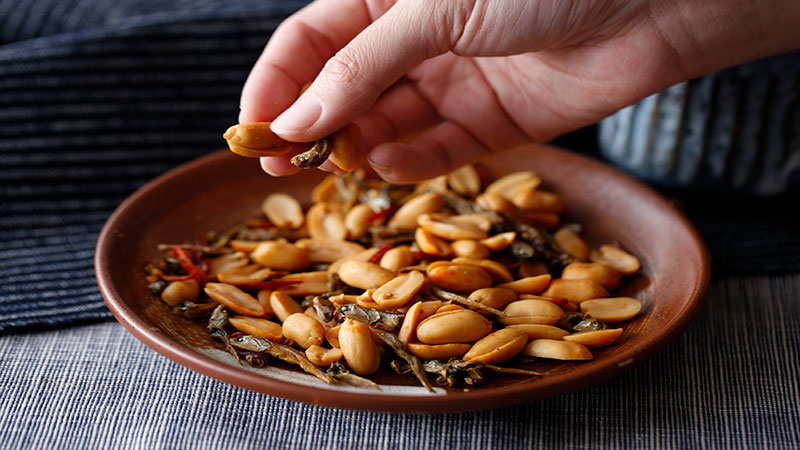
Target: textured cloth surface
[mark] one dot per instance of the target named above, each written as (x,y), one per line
(731,381)
(99,96)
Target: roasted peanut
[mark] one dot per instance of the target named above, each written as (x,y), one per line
(602,274)
(536,200)
(234,298)
(283,211)
(358,347)
(467,248)
(498,203)
(509,183)
(254,140)
(531,311)
(431,244)
(598,338)
(264,328)
(408,329)
(552,349)
(575,291)
(465,180)
(497,347)
(263,300)
(227,262)
(322,356)
(398,291)
(569,241)
(344,152)
(441,352)
(459,277)
(613,309)
(326,191)
(497,271)
(180,291)
(398,257)
(283,306)
(244,246)
(499,242)
(332,336)
(496,297)
(617,258)
(365,256)
(303,329)
(448,227)
(252,273)
(328,251)
(364,275)
(357,220)
(406,217)
(530,285)
(541,219)
(325,221)
(451,327)
(281,256)
(449,307)
(539,331)
(311,283)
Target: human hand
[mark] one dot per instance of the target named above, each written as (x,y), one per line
(467,78)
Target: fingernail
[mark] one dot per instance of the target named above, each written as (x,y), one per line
(380,159)
(299,117)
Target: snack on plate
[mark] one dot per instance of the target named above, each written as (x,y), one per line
(451,277)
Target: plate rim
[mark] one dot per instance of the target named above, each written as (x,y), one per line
(474,400)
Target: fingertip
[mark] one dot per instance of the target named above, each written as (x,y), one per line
(278,166)
(388,162)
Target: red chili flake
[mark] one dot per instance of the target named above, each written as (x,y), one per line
(383,213)
(560,301)
(191,269)
(274,284)
(288,342)
(379,254)
(422,256)
(203,259)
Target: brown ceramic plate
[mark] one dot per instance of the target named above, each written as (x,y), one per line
(217,191)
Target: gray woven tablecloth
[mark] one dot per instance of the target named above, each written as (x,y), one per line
(731,381)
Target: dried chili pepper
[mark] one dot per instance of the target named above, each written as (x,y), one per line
(379,254)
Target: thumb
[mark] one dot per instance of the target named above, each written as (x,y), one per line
(351,81)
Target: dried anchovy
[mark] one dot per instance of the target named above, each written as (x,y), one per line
(539,240)
(255,359)
(157,287)
(227,235)
(463,301)
(590,324)
(261,234)
(381,320)
(324,308)
(283,352)
(192,310)
(315,156)
(383,235)
(196,248)
(340,372)
(216,327)
(469,370)
(413,362)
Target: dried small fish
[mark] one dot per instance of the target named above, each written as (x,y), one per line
(216,327)
(255,359)
(580,321)
(463,301)
(324,308)
(282,352)
(315,156)
(470,371)
(192,310)
(413,362)
(340,372)
(381,320)
(196,248)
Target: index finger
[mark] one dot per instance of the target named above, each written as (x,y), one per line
(299,49)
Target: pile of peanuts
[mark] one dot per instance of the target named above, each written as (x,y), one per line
(459,291)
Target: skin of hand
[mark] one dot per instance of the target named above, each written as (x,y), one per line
(438,84)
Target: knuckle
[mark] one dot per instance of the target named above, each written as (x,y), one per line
(344,68)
